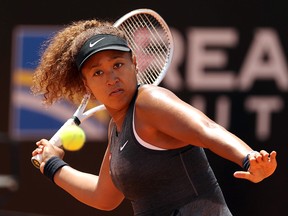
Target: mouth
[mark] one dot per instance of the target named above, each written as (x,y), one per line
(116,92)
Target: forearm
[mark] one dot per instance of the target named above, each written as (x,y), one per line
(80,185)
(226,144)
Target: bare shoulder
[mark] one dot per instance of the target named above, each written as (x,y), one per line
(155,100)
(151,94)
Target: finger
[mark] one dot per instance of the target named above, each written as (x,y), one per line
(242,175)
(37,151)
(265,155)
(42,142)
(258,158)
(34,153)
(263,152)
(273,155)
(39,147)
(273,160)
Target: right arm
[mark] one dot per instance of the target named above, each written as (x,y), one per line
(96,191)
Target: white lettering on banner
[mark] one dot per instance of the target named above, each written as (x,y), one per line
(265,60)
(205,55)
(264,107)
(199,58)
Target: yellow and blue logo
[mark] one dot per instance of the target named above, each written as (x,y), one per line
(29,118)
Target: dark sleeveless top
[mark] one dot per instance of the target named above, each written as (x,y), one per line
(163,182)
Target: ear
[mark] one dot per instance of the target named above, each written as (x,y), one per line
(134,60)
(88,90)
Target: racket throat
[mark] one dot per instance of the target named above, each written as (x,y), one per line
(76,120)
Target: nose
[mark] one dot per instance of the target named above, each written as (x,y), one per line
(112,78)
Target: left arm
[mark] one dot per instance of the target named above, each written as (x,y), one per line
(183,124)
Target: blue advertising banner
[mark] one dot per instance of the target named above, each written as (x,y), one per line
(29,118)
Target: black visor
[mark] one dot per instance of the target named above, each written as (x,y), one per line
(99,43)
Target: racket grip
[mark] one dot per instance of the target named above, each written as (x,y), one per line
(55,140)
(37,160)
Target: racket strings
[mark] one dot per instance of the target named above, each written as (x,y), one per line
(156,47)
(150,42)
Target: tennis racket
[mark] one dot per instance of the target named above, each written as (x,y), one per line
(151,41)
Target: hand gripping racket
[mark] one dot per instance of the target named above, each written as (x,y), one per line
(151,41)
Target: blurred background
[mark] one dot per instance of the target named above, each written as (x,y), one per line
(230,61)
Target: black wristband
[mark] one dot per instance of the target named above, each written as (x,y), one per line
(246,161)
(52,166)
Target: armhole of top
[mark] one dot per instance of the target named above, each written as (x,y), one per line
(141,141)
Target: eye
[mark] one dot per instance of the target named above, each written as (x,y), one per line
(98,73)
(118,65)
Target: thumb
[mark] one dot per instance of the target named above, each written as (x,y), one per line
(241,175)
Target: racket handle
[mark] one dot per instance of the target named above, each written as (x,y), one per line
(55,140)
(37,160)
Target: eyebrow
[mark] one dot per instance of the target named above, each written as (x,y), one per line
(110,59)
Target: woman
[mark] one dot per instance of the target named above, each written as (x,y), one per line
(155,155)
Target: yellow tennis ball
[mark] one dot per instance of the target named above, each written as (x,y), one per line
(72,138)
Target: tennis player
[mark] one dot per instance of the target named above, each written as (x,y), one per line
(155,154)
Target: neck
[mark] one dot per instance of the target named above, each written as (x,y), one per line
(118,119)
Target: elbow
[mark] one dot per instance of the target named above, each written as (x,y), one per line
(209,124)
(209,132)
(109,207)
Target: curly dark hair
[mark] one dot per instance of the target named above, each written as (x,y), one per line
(57,76)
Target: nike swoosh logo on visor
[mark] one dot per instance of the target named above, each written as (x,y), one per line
(94,43)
